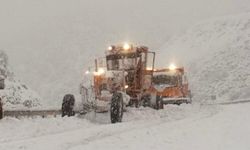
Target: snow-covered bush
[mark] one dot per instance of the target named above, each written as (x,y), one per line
(15,95)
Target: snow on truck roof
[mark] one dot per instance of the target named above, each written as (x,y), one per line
(168,71)
(125,48)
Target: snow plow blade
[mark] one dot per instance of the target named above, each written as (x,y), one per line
(101,110)
(177,101)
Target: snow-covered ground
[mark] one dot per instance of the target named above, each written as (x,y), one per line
(176,128)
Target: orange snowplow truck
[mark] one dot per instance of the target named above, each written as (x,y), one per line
(171,85)
(127,77)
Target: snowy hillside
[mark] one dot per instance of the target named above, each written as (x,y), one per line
(225,74)
(16,95)
(217,55)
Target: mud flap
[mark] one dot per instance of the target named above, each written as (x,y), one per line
(1,110)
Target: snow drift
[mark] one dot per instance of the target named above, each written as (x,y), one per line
(16,95)
(217,55)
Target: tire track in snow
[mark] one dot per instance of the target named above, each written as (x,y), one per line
(106,134)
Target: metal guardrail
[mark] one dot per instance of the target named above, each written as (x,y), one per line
(31,113)
(234,102)
(240,101)
(54,113)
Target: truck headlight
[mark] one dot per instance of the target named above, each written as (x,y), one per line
(126,46)
(99,72)
(110,48)
(172,66)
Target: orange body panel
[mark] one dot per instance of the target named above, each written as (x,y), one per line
(176,91)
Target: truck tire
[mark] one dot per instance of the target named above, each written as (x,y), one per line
(116,109)
(159,103)
(146,100)
(68,105)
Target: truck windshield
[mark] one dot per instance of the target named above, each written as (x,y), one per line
(165,80)
(118,62)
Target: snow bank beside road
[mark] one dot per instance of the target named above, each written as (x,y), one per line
(13,129)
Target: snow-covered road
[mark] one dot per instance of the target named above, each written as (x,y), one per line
(175,128)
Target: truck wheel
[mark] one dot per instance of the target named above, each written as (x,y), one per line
(116,109)
(146,101)
(1,110)
(159,102)
(68,105)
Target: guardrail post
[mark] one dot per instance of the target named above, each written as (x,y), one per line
(1,109)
